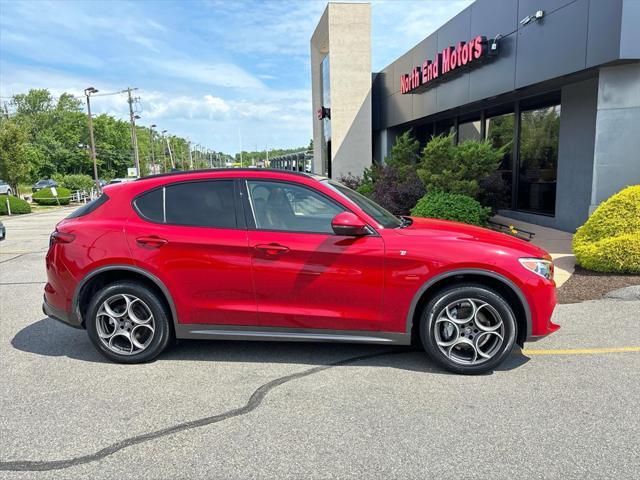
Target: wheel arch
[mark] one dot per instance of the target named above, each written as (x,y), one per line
(102,276)
(513,294)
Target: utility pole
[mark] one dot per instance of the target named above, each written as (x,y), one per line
(88,91)
(173,165)
(190,156)
(151,146)
(134,135)
(164,152)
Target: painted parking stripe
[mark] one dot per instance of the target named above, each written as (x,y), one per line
(580,351)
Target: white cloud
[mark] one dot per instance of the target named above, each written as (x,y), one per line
(216,74)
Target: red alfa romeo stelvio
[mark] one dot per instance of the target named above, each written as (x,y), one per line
(252,254)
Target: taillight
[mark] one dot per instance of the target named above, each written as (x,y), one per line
(61,237)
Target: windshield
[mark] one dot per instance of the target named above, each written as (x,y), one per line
(371,208)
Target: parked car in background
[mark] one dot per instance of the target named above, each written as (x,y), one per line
(3,231)
(40,184)
(5,188)
(271,255)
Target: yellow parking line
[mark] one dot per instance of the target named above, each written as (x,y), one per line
(580,351)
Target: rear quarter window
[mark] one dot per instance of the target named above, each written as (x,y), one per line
(150,205)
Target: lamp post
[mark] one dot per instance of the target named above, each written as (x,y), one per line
(88,91)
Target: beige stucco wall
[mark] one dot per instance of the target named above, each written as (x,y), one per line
(344,33)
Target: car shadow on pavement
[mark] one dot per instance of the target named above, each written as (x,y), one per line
(50,338)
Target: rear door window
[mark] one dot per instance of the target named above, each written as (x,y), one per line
(197,204)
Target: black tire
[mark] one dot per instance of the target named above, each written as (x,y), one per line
(162,331)
(446,297)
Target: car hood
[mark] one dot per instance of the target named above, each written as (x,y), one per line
(447,230)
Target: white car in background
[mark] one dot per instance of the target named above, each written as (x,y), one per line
(5,188)
(120,180)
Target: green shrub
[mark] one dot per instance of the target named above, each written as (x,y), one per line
(369,178)
(609,241)
(45,197)
(457,168)
(77,182)
(18,206)
(451,206)
(404,155)
(365,189)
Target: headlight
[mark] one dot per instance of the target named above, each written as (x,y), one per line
(539,266)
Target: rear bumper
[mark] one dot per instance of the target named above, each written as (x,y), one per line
(59,314)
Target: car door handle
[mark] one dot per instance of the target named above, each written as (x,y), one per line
(272,248)
(151,241)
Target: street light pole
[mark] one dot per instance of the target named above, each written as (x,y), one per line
(88,91)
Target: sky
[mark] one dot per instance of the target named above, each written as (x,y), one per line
(224,73)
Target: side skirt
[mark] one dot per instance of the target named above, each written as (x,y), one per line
(279,334)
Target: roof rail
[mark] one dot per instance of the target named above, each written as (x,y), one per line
(241,169)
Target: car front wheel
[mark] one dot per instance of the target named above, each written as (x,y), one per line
(128,323)
(468,328)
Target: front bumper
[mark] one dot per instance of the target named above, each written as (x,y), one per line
(541,297)
(59,314)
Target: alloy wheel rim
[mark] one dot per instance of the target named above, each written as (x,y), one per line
(469,331)
(125,324)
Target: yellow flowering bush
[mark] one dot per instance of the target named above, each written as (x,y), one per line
(609,241)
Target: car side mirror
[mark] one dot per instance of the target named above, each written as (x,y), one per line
(349,224)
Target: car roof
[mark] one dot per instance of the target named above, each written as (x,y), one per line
(249,171)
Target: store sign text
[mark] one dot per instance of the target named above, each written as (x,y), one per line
(450,60)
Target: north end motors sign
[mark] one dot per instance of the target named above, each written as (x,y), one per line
(448,62)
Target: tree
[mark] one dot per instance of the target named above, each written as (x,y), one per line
(14,153)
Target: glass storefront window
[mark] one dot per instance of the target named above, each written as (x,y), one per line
(469,131)
(499,131)
(445,127)
(538,163)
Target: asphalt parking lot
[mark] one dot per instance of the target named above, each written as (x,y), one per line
(567,407)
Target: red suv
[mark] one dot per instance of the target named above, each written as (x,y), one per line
(273,255)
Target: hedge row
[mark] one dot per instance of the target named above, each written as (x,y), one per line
(45,197)
(17,205)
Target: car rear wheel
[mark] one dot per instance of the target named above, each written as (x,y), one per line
(468,329)
(128,323)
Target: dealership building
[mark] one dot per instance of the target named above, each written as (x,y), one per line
(554,82)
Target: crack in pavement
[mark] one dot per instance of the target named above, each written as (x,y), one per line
(20,255)
(254,402)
